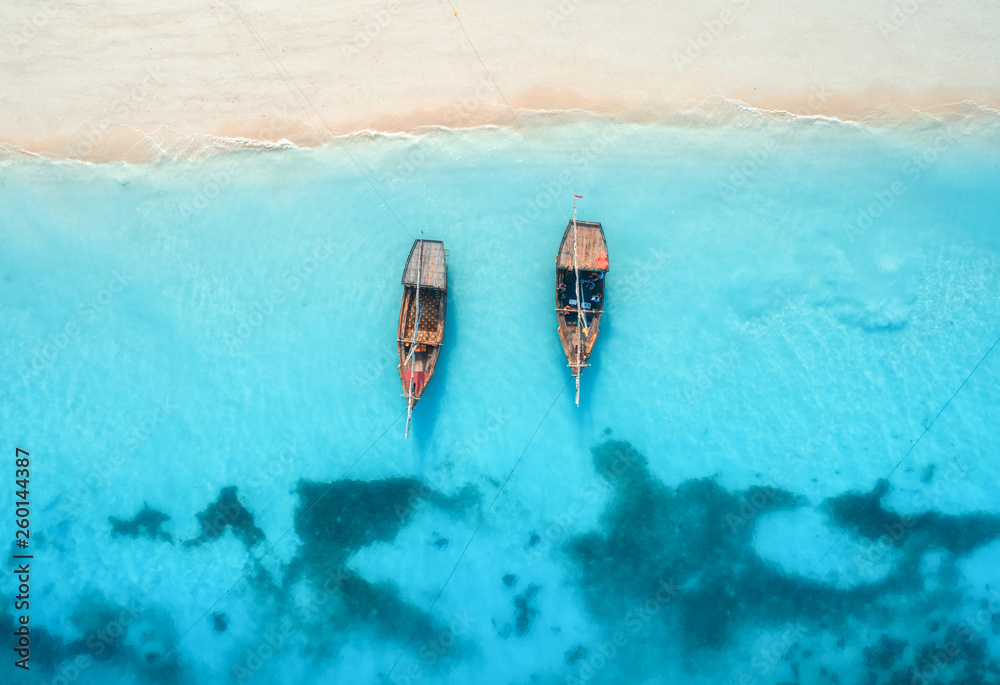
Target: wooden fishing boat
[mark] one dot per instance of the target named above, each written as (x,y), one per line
(421,319)
(581,265)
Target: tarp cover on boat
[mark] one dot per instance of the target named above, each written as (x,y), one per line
(602,261)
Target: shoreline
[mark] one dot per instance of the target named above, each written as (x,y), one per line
(111,141)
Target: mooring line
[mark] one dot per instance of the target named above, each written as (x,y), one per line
(293,87)
(872,497)
(427,613)
(503,97)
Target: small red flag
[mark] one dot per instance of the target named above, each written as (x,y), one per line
(579,196)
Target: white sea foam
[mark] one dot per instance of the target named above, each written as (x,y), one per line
(163,143)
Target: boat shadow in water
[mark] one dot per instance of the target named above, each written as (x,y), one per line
(426,413)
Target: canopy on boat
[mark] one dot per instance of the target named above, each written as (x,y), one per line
(431,267)
(589,246)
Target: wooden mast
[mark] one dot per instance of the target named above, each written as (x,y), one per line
(579,306)
(413,345)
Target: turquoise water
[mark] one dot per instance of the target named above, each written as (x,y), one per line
(791,303)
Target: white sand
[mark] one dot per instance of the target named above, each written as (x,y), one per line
(123,79)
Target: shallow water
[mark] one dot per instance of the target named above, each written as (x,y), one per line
(790,305)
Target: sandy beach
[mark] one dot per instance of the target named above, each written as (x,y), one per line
(124,80)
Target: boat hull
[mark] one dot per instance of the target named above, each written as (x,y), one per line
(588,337)
(419,354)
(580,307)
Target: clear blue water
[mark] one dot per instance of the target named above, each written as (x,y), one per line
(791,303)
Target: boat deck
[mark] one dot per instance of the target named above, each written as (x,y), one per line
(591,291)
(431,318)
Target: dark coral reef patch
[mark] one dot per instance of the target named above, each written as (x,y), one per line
(335,520)
(147,523)
(689,549)
(227,513)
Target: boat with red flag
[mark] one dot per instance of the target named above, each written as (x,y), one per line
(421,319)
(581,265)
